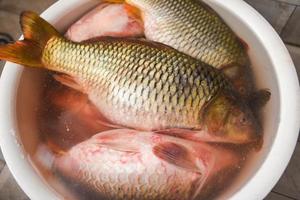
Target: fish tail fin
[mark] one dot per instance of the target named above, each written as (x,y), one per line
(37,33)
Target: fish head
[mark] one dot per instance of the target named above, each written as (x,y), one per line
(241,125)
(229,118)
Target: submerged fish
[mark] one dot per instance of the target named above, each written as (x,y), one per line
(127,164)
(192,27)
(106,20)
(69,116)
(139,84)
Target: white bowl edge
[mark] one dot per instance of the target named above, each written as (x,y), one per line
(9,142)
(258,186)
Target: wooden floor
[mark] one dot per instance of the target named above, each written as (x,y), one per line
(284,15)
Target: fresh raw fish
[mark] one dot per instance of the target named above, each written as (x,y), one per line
(192,27)
(72,118)
(139,84)
(127,164)
(106,20)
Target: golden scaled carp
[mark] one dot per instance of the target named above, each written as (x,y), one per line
(139,84)
(192,27)
(127,164)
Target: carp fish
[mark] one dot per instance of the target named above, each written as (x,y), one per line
(192,27)
(140,84)
(128,164)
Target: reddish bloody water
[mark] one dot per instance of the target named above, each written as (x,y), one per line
(66,118)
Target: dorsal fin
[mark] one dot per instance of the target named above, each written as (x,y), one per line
(68,81)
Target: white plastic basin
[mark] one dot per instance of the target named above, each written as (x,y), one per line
(273,69)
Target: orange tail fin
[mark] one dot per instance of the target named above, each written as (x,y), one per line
(28,52)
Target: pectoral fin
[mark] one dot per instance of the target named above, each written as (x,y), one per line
(177,155)
(176,132)
(107,124)
(192,135)
(201,182)
(68,81)
(180,156)
(197,136)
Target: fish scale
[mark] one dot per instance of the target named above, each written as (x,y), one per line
(129,164)
(140,84)
(177,81)
(146,182)
(193,28)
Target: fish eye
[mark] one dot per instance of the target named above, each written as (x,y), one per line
(243,120)
(242,90)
